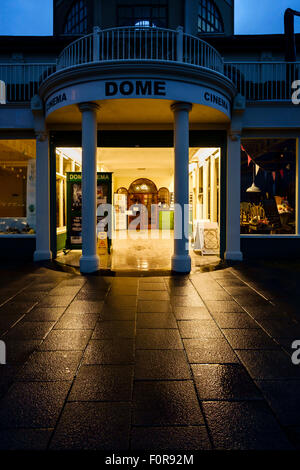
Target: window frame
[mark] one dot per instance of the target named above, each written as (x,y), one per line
(73,15)
(211,13)
(136,20)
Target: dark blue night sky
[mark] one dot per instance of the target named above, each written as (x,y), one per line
(34,17)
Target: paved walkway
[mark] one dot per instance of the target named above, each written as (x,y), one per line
(140,363)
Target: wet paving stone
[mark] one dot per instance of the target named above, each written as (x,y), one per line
(222,306)
(154,306)
(186,301)
(166,403)
(156,320)
(66,340)
(171,438)
(93,426)
(283,398)
(33,404)
(249,339)
(114,329)
(82,307)
(224,382)
(209,351)
(50,366)
(191,313)
(199,329)
(149,286)
(117,313)
(268,364)
(18,351)
(153,295)
(103,383)
(45,314)
(129,363)
(25,439)
(244,426)
(114,351)
(73,321)
(158,339)
(235,320)
(30,330)
(161,364)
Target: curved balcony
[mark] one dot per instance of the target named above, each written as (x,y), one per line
(140,44)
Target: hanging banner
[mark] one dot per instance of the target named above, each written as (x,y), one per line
(74,204)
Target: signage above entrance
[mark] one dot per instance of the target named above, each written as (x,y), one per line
(143,88)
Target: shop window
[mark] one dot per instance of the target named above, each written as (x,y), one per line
(148,14)
(209,18)
(76,21)
(64,164)
(268,186)
(17,186)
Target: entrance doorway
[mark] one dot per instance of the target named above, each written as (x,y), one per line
(145,175)
(142,204)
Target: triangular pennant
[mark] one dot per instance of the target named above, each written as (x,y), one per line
(249,159)
(274,175)
(281,173)
(256,169)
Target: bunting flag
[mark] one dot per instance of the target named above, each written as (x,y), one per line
(256,169)
(281,173)
(274,175)
(249,159)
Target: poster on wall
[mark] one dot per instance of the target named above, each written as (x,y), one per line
(30,196)
(74,205)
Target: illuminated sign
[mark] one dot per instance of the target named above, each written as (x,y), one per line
(137,87)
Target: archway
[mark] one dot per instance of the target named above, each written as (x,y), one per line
(143,192)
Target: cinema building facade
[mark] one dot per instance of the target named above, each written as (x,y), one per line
(154,103)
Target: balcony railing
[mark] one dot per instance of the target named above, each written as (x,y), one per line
(264,81)
(23,80)
(140,44)
(257,81)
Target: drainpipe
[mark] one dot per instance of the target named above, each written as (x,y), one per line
(289,32)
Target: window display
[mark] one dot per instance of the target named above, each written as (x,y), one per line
(268,186)
(17,187)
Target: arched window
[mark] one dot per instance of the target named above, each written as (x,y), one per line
(209,17)
(142,186)
(76,21)
(152,13)
(164,196)
(122,190)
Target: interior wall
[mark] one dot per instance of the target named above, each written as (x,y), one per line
(159,181)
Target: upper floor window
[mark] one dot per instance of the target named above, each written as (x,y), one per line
(149,14)
(209,18)
(76,21)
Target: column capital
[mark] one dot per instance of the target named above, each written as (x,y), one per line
(181,106)
(41,136)
(88,106)
(234,135)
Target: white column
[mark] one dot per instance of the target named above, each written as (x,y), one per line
(213,190)
(181,260)
(298,187)
(42,251)
(233,239)
(89,261)
(61,192)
